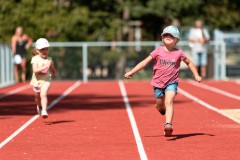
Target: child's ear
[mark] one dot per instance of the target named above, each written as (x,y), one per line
(177,41)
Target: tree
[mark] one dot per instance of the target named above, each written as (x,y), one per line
(84,20)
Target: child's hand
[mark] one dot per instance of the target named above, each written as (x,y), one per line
(128,75)
(45,68)
(198,78)
(202,40)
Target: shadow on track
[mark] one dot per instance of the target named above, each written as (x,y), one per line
(58,122)
(181,136)
(23,104)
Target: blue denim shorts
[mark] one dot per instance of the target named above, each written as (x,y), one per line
(200,59)
(159,92)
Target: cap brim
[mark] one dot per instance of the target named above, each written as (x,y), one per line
(169,33)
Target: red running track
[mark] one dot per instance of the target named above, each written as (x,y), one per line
(92,123)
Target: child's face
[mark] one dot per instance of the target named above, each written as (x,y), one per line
(168,39)
(43,52)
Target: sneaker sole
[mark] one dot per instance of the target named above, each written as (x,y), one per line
(44,116)
(168,131)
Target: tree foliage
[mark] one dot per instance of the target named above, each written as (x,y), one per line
(85,20)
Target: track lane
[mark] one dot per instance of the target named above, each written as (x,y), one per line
(199,133)
(12,87)
(228,86)
(11,90)
(218,90)
(90,123)
(18,108)
(218,100)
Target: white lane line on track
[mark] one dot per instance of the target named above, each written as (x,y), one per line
(138,140)
(15,91)
(25,125)
(219,91)
(188,95)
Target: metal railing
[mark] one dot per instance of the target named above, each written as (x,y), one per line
(6,64)
(86,46)
(81,54)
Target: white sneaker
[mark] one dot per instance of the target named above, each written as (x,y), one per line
(44,114)
(39,110)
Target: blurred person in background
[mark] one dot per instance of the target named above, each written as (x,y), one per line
(198,38)
(20,43)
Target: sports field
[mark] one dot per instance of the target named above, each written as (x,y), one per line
(117,120)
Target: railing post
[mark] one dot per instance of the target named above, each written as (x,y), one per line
(7,64)
(217,43)
(2,58)
(85,62)
(223,57)
(11,65)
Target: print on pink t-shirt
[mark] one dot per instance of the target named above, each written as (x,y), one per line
(166,66)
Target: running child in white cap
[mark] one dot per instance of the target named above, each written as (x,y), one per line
(43,67)
(165,77)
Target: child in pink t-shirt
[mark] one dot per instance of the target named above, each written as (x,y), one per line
(165,78)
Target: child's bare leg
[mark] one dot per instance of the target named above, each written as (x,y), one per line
(169,97)
(38,99)
(160,104)
(23,66)
(16,73)
(43,94)
(203,71)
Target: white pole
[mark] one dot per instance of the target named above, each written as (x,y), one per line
(2,65)
(85,62)
(216,51)
(223,57)
(8,72)
(12,65)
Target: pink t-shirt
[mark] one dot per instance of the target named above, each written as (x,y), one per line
(166,66)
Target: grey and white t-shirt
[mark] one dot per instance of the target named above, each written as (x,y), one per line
(196,34)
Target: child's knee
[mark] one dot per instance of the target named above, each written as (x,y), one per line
(159,105)
(159,101)
(43,95)
(168,102)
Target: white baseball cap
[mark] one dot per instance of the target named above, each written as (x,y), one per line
(42,43)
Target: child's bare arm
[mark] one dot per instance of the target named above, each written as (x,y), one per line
(52,69)
(29,41)
(193,68)
(37,69)
(138,67)
(13,44)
